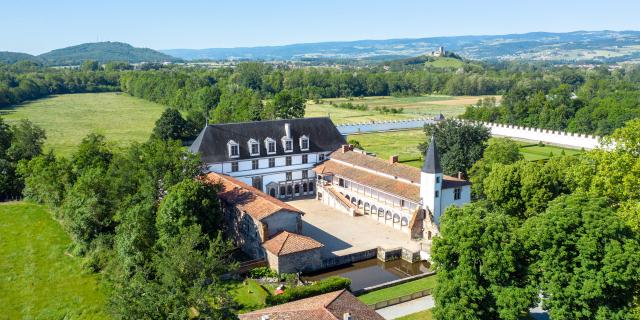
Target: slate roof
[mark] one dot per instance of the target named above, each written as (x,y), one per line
(212,141)
(357,166)
(254,202)
(432,158)
(328,306)
(286,242)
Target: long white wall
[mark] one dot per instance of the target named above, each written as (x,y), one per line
(561,138)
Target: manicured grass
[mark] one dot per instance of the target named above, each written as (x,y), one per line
(399,290)
(69,118)
(37,279)
(422,315)
(250,296)
(418,106)
(401,143)
(405,145)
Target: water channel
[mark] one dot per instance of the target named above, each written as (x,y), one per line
(372,272)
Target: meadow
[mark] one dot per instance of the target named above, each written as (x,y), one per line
(69,118)
(405,145)
(413,107)
(38,279)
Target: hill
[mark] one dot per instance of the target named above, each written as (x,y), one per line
(579,46)
(104,52)
(13,57)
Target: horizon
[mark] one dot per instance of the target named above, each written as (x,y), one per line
(202,25)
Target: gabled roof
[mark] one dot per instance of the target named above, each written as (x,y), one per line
(254,202)
(287,242)
(394,178)
(212,141)
(328,306)
(432,158)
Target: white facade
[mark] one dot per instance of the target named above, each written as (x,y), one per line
(272,173)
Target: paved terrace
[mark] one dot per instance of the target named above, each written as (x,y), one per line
(342,234)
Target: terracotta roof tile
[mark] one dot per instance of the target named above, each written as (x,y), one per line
(247,198)
(328,306)
(286,242)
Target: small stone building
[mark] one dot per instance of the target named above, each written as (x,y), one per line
(290,253)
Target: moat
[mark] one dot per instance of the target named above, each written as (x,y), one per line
(372,272)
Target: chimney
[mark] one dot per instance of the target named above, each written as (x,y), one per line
(347,316)
(393,159)
(264,317)
(460,175)
(287,130)
(345,148)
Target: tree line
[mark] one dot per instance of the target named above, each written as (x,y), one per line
(563,233)
(593,101)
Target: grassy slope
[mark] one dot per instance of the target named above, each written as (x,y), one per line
(399,290)
(445,62)
(422,315)
(404,144)
(430,105)
(251,296)
(37,279)
(69,118)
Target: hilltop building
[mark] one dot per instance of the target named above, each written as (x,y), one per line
(439,53)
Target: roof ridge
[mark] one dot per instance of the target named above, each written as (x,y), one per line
(262,121)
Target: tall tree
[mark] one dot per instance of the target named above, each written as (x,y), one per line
(171,125)
(587,261)
(285,105)
(27,141)
(481,266)
(460,144)
(499,151)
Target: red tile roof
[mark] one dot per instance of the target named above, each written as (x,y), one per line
(254,202)
(328,306)
(286,242)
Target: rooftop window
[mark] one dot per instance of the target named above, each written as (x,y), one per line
(234,149)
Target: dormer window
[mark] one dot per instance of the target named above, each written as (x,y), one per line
(304,143)
(287,144)
(270,145)
(254,147)
(234,149)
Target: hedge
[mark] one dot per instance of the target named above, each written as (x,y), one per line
(296,293)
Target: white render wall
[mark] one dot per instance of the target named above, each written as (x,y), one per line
(561,138)
(447,200)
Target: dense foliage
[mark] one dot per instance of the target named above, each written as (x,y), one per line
(18,143)
(142,218)
(596,101)
(563,233)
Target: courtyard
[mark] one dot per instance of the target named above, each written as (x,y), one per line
(342,234)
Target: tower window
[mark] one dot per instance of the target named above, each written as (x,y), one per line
(437,193)
(437,179)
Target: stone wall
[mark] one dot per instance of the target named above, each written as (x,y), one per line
(380,126)
(295,262)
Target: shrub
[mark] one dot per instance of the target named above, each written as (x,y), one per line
(323,286)
(351,106)
(262,272)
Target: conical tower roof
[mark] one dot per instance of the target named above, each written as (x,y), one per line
(432,158)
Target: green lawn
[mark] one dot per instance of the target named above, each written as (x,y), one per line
(37,279)
(399,290)
(422,315)
(251,296)
(417,106)
(69,118)
(405,145)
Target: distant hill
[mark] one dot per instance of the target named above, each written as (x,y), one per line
(13,57)
(579,46)
(104,52)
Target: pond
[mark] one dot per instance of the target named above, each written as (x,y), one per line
(372,272)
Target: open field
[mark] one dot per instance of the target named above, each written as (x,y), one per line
(399,290)
(37,279)
(430,105)
(69,118)
(405,145)
(445,62)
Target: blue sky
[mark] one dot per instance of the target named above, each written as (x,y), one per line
(39,26)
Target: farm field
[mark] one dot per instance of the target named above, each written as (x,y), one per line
(405,145)
(69,118)
(37,279)
(420,106)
